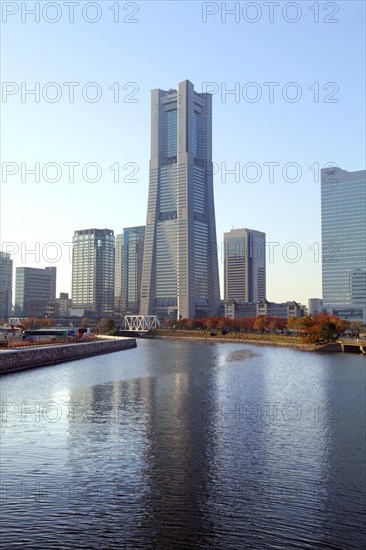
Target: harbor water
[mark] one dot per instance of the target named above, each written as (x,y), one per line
(179,444)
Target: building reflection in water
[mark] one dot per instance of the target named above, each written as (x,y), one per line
(148,446)
(196,444)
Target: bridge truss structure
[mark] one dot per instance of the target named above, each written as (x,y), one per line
(140,323)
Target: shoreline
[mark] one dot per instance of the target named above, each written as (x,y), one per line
(329,347)
(44,355)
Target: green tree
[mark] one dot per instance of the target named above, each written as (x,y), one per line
(327,331)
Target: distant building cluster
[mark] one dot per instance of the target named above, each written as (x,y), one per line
(169,267)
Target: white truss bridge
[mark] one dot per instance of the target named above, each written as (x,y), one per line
(140,323)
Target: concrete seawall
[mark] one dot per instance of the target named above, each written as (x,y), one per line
(26,358)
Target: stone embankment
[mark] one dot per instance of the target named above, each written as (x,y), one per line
(332,347)
(26,358)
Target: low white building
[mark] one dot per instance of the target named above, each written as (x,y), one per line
(315,305)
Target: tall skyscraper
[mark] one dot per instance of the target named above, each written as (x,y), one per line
(343,205)
(128,270)
(118,274)
(33,290)
(6,284)
(93,271)
(244,265)
(180,270)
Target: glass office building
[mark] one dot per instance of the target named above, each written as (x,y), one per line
(343,207)
(244,265)
(128,270)
(93,271)
(34,288)
(180,270)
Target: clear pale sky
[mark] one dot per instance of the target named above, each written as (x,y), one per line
(168,43)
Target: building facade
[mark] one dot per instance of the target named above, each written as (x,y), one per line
(65,304)
(34,290)
(118,274)
(53,273)
(237,310)
(283,310)
(93,271)
(315,305)
(343,207)
(180,268)
(244,265)
(6,285)
(128,270)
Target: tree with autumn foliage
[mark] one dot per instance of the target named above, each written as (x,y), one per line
(261,323)
(329,326)
(198,324)
(293,323)
(243,324)
(212,322)
(301,324)
(184,323)
(33,323)
(276,323)
(321,326)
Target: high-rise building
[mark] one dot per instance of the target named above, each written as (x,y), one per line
(244,265)
(33,290)
(118,274)
(180,270)
(6,284)
(128,270)
(93,271)
(343,204)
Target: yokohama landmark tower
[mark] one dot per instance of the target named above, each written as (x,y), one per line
(180,270)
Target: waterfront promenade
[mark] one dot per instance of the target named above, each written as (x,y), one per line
(39,356)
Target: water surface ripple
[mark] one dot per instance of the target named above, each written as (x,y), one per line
(186,445)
